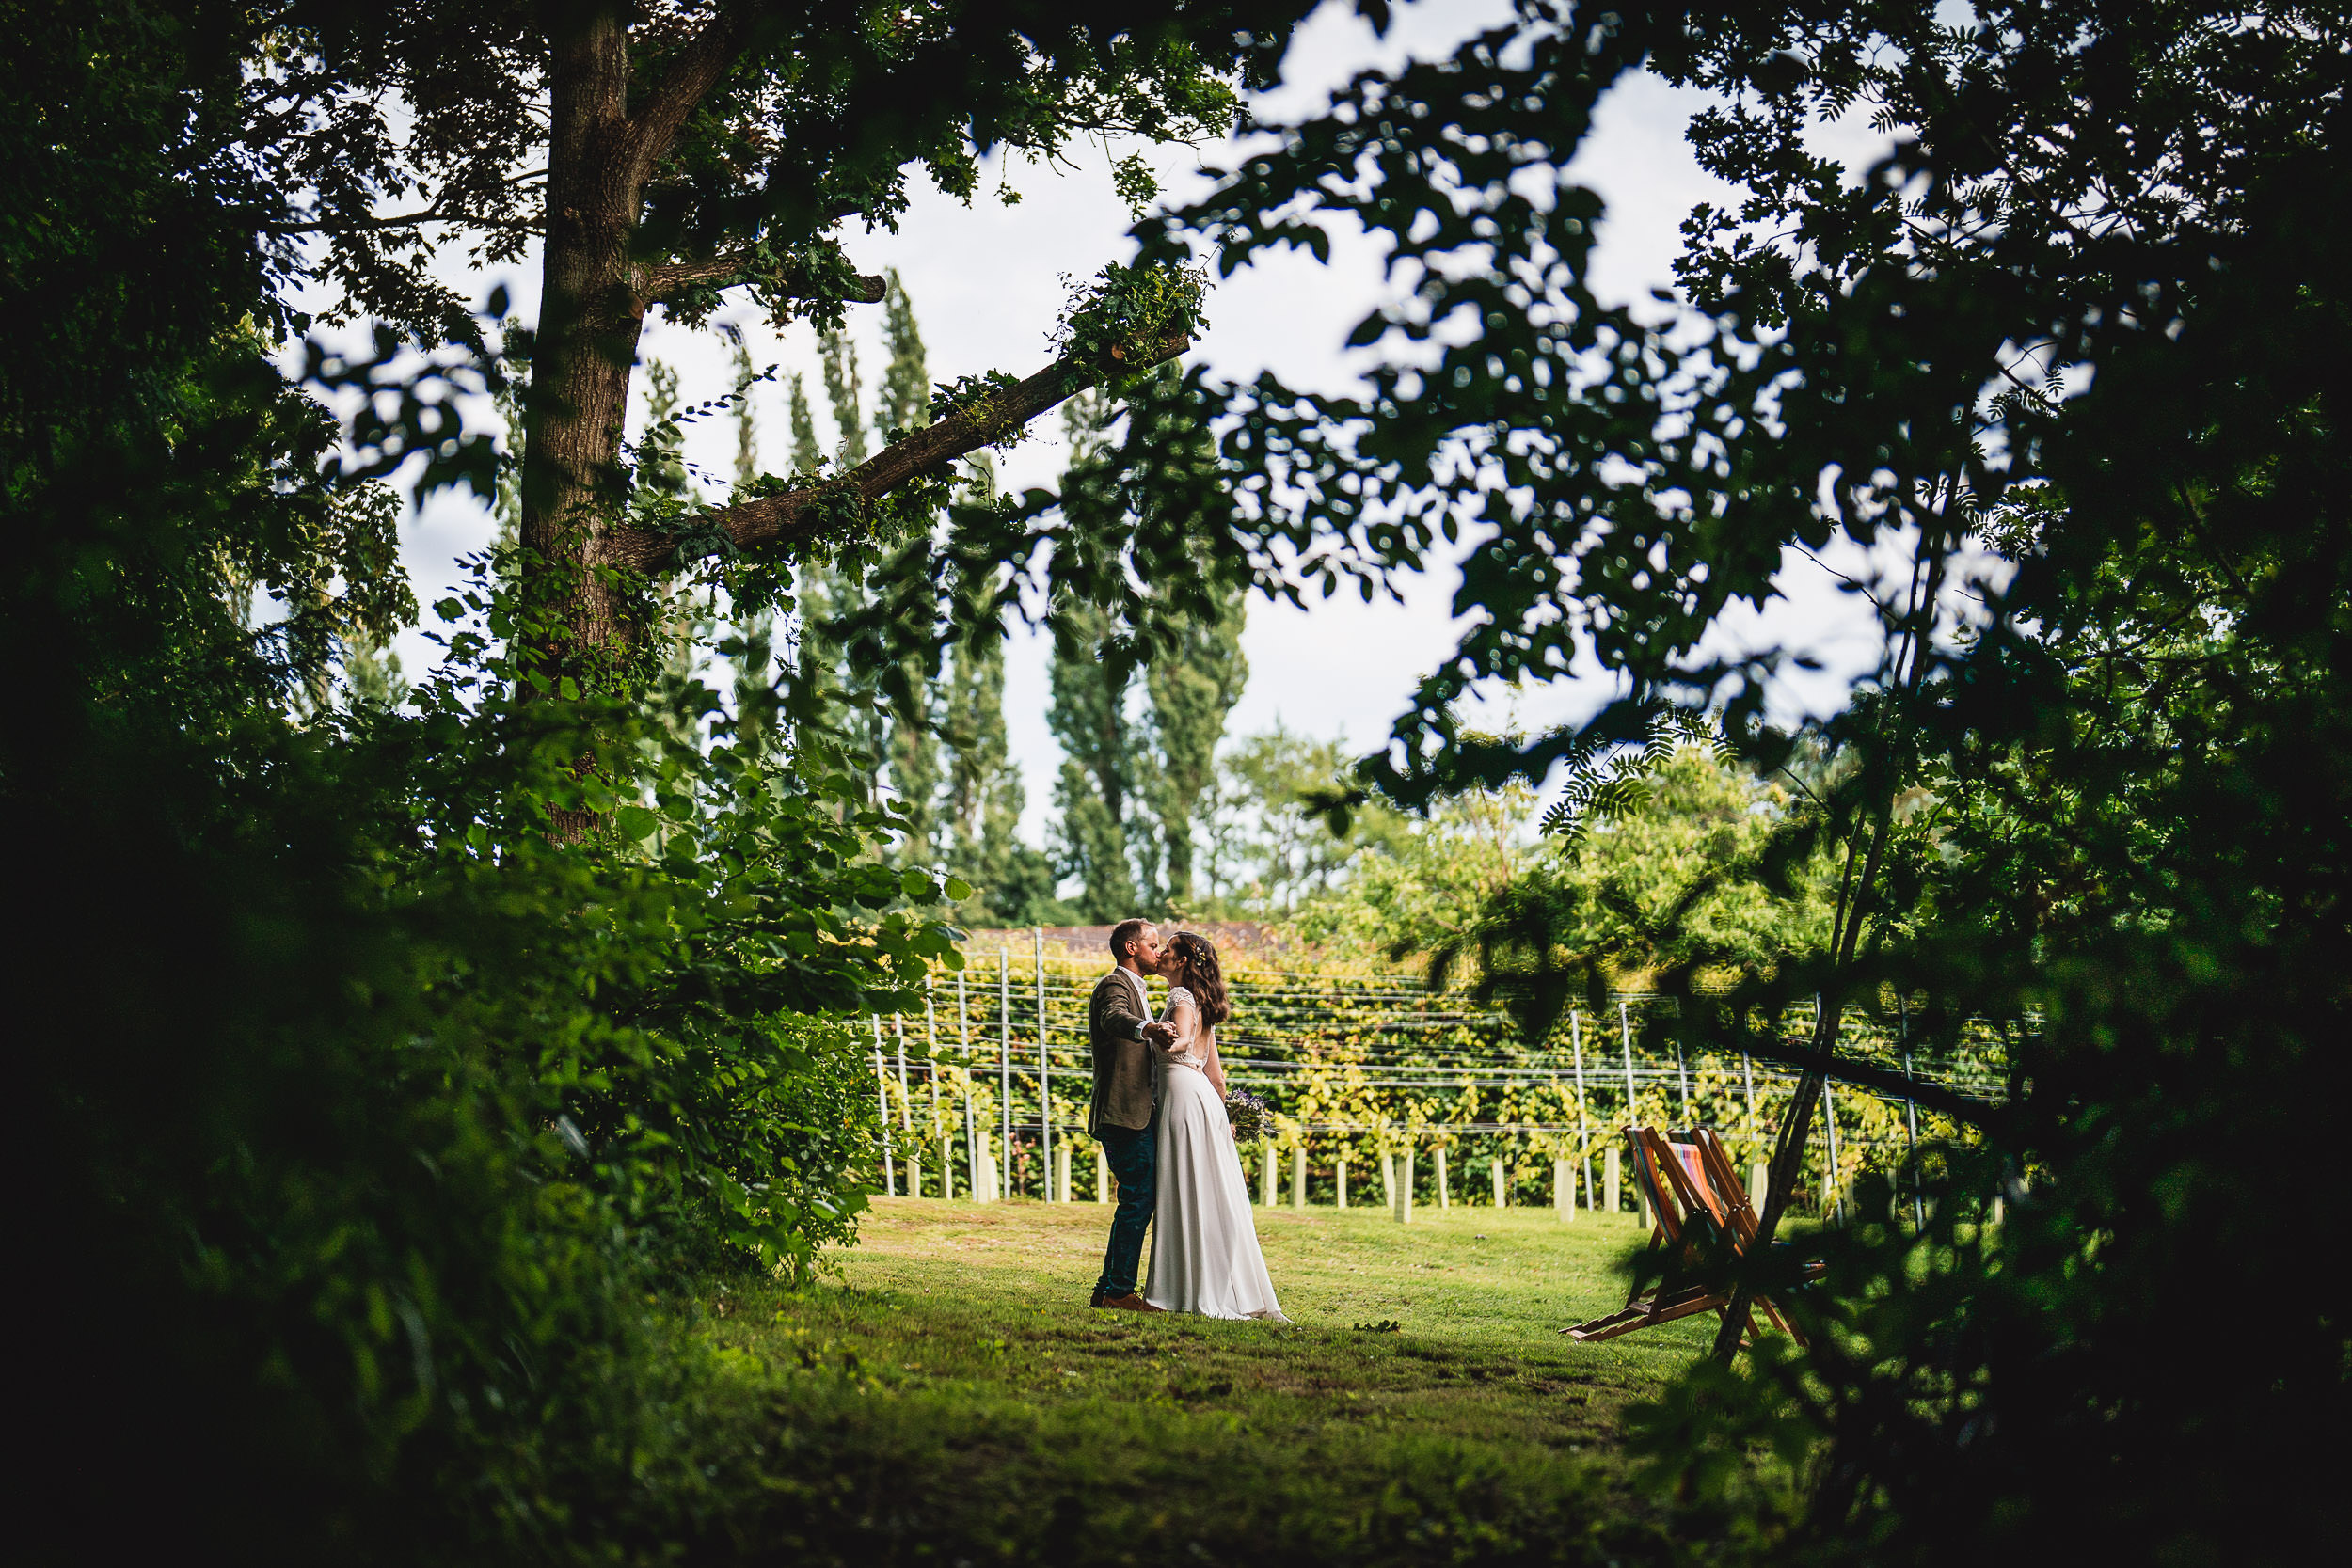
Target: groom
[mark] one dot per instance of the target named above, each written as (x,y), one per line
(1122,1115)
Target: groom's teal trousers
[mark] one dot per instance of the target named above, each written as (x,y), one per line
(1133,1155)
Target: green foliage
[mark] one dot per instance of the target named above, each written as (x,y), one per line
(1132,177)
(2064,356)
(864,101)
(982,398)
(985,797)
(369,1102)
(1126,316)
(1136,783)
(747,376)
(1667,879)
(1087,842)
(381,1053)
(1269,850)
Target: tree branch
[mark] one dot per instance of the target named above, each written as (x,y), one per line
(439,212)
(1973,1110)
(693,71)
(799,517)
(658,284)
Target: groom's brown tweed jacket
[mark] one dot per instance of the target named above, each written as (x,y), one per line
(1123,1063)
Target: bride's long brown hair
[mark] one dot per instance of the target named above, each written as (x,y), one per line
(1201,976)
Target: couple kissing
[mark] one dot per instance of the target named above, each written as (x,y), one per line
(1159,1112)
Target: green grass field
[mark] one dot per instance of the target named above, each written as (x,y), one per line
(968,1406)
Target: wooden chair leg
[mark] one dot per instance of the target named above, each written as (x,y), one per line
(1608,1328)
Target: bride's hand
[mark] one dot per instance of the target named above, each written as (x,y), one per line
(1158,1035)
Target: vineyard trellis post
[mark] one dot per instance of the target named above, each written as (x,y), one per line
(1682,1071)
(1044,1072)
(1625,1037)
(930,1050)
(1004,1067)
(963,1035)
(1911,1123)
(1828,1029)
(1833,1188)
(1584,1130)
(906,1099)
(1747,1070)
(906,1105)
(882,1104)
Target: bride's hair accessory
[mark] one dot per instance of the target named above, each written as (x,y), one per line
(1201,976)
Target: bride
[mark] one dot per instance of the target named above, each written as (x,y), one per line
(1205,1241)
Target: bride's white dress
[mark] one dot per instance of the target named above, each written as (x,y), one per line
(1204,1241)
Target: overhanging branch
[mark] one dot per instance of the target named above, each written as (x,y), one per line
(1987,1114)
(658,284)
(798,517)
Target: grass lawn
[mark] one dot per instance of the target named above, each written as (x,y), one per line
(968,1406)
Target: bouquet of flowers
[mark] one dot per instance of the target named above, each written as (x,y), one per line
(1247,1114)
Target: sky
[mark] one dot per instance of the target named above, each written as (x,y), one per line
(987,279)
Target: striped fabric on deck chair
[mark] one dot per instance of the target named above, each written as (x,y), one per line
(1703,1224)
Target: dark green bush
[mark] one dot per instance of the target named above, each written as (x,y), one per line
(363,1111)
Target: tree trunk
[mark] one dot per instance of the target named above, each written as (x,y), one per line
(603,145)
(591,314)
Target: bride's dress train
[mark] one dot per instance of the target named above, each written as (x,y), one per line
(1204,1241)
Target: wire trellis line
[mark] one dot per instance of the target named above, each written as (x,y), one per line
(1347,1063)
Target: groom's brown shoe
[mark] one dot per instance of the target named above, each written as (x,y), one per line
(1129,1303)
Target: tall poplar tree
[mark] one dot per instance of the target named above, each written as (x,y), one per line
(660,471)
(845,391)
(1192,690)
(1133,785)
(904,397)
(903,400)
(808,456)
(1092,678)
(752,645)
(746,420)
(984,796)
(834,588)
(1096,788)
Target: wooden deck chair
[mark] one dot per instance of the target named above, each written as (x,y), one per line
(1720,1178)
(1703,1224)
(1685,1228)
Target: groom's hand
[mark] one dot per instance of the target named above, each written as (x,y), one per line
(1162,1035)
